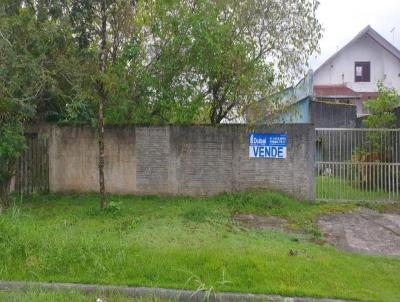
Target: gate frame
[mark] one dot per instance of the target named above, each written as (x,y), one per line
(387,169)
(32,169)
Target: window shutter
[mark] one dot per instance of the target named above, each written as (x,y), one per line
(366,72)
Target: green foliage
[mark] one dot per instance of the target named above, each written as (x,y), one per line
(114,208)
(80,112)
(38,64)
(166,61)
(210,61)
(12,143)
(208,289)
(382,109)
(36,72)
(377,148)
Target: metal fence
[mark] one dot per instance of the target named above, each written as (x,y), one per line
(357,164)
(32,173)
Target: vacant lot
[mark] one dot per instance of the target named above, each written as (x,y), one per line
(191,243)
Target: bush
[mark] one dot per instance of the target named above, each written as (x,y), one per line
(375,149)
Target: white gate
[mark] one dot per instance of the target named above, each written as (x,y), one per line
(357,164)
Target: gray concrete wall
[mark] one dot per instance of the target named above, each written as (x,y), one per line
(182,160)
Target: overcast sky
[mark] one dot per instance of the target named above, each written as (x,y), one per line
(343,19)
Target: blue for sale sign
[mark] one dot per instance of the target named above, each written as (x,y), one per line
(263,145)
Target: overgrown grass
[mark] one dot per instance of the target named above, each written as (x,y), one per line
(332,188)
(179,242)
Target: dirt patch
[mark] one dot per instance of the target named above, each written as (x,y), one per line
(365,231)
(262,222)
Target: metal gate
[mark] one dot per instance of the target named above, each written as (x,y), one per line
(357,164)
(32,171)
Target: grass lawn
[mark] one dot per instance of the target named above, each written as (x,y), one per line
(190,243)
(333,188)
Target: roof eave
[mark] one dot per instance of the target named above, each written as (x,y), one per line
(337,97)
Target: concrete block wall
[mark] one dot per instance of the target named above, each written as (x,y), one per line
(179,160)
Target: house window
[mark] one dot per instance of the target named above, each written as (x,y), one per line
(362,71)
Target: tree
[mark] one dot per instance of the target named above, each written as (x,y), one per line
(379,145)
(12,144)
(382,108)
(103,26)
(382,115)
(42,67)
(39,59)
(152,62)
(33,79)
(213,60)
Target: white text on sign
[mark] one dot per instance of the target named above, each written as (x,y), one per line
(262,145)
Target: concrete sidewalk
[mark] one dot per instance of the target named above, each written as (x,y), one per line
(167,294)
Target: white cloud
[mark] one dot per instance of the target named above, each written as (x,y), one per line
(343,19)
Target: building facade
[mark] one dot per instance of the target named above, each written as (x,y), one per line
(351,75)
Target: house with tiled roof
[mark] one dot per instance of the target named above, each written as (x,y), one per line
(300,106)
(350,76)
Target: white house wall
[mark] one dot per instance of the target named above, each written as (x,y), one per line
(340,70)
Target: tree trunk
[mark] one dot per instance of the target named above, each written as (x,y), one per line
(102,101)
(103,203)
